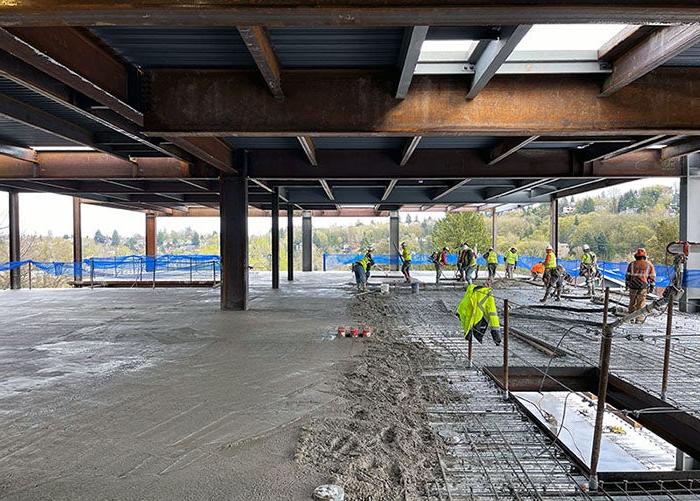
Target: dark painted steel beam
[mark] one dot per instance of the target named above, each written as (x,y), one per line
(302,13)
(523,187)
(307,144)
(234,242)
(443,193)
(211,150)
(682,148)
(259,46)
(507,147)
(413,41)
(389,189)
(494,56)
(649,54)
(662,102)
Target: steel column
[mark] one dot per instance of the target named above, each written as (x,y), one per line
(234,242)
(554,225)
(306,244)
(77,241)
(275,233)
(394,239)
(604,372)
(290,242)
(150,234)
(690,228)
(15,273)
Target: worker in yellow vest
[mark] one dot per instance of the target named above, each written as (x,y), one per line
(491,257)
(406,260)
(361,268)
(511,259)
(551,273)
(477,313)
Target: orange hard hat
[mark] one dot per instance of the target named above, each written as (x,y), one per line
(641,252)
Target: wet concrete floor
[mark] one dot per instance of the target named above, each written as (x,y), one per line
(156,394)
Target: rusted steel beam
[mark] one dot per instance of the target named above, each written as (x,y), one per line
(61,165)
(14,249)
(307,144)
(191,102)
(624,41)
(341,12)
(18,152)
(507,147)
(211,150)
(71,57)
(77,240)
(259,46)
(682,148)
(413,41)
(494,55)
(652,52)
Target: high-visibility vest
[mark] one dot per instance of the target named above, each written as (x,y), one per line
(364,262)
(406,254)
(550,261)
(492,257)
(511,257)
(588,258)
(477,303)
(472,261)
(639,273)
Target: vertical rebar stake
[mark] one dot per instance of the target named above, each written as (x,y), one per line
(603,373)
(667,346)
(30,275)
(506,331)
(154,271)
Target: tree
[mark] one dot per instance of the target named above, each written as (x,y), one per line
(195,239)
(116,238)
(458,227)
(585,206)
(100,238)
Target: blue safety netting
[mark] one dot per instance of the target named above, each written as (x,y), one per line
(611,270)
(134,267)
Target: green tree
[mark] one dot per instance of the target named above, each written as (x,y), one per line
(585,206)
(116,238)
(100,238)
(458,227)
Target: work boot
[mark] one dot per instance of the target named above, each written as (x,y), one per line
(496,335)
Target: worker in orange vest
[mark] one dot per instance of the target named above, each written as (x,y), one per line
(639,279)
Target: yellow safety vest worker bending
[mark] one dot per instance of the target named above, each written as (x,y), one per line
(477,312)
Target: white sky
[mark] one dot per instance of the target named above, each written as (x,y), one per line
(41,213)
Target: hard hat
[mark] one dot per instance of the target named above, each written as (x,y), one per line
(641,252)
(549,247)
(370,248)
(514,249)
(465,247)
(490,248)
(586,247)
(403,244)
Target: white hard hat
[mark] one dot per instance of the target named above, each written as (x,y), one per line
(586,247)
(465,247)
(549,247)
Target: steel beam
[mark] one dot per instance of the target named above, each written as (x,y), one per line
(525,186)
(409,148)
(307,144)
(77,241)
(18,152)
(413,41)
(211,150)
(624,41)
(327,189)
(389,189)
(652,52)
(151,231)
(680,149)
(507,147)
(71,57)
(494,56)
(14,239)
(234,242)
(442,193)
(394,224)
(301,13)
(609,151)
(662,102)
(306,242)
(259,46)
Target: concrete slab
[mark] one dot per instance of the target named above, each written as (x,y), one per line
(156,394)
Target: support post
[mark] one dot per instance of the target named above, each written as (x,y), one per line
(275,233)
(604,372)
(469,349)
(15,273)
(234,242)
(690,231)
(290,242)
(150,241)
(306,244)
(493,228)
(77,242)
(667,346)
(506,331)
(394,240)
(554,225)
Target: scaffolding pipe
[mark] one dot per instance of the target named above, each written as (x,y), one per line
(506,331)
(667,346)
(604,372)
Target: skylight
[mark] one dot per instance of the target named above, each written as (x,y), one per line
(447,50)
(568,36)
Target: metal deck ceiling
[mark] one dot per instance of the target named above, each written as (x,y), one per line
(264,143)
(690,57)
(459,142)
(18,134)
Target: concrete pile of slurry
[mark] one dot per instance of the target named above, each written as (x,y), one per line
(377,442)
